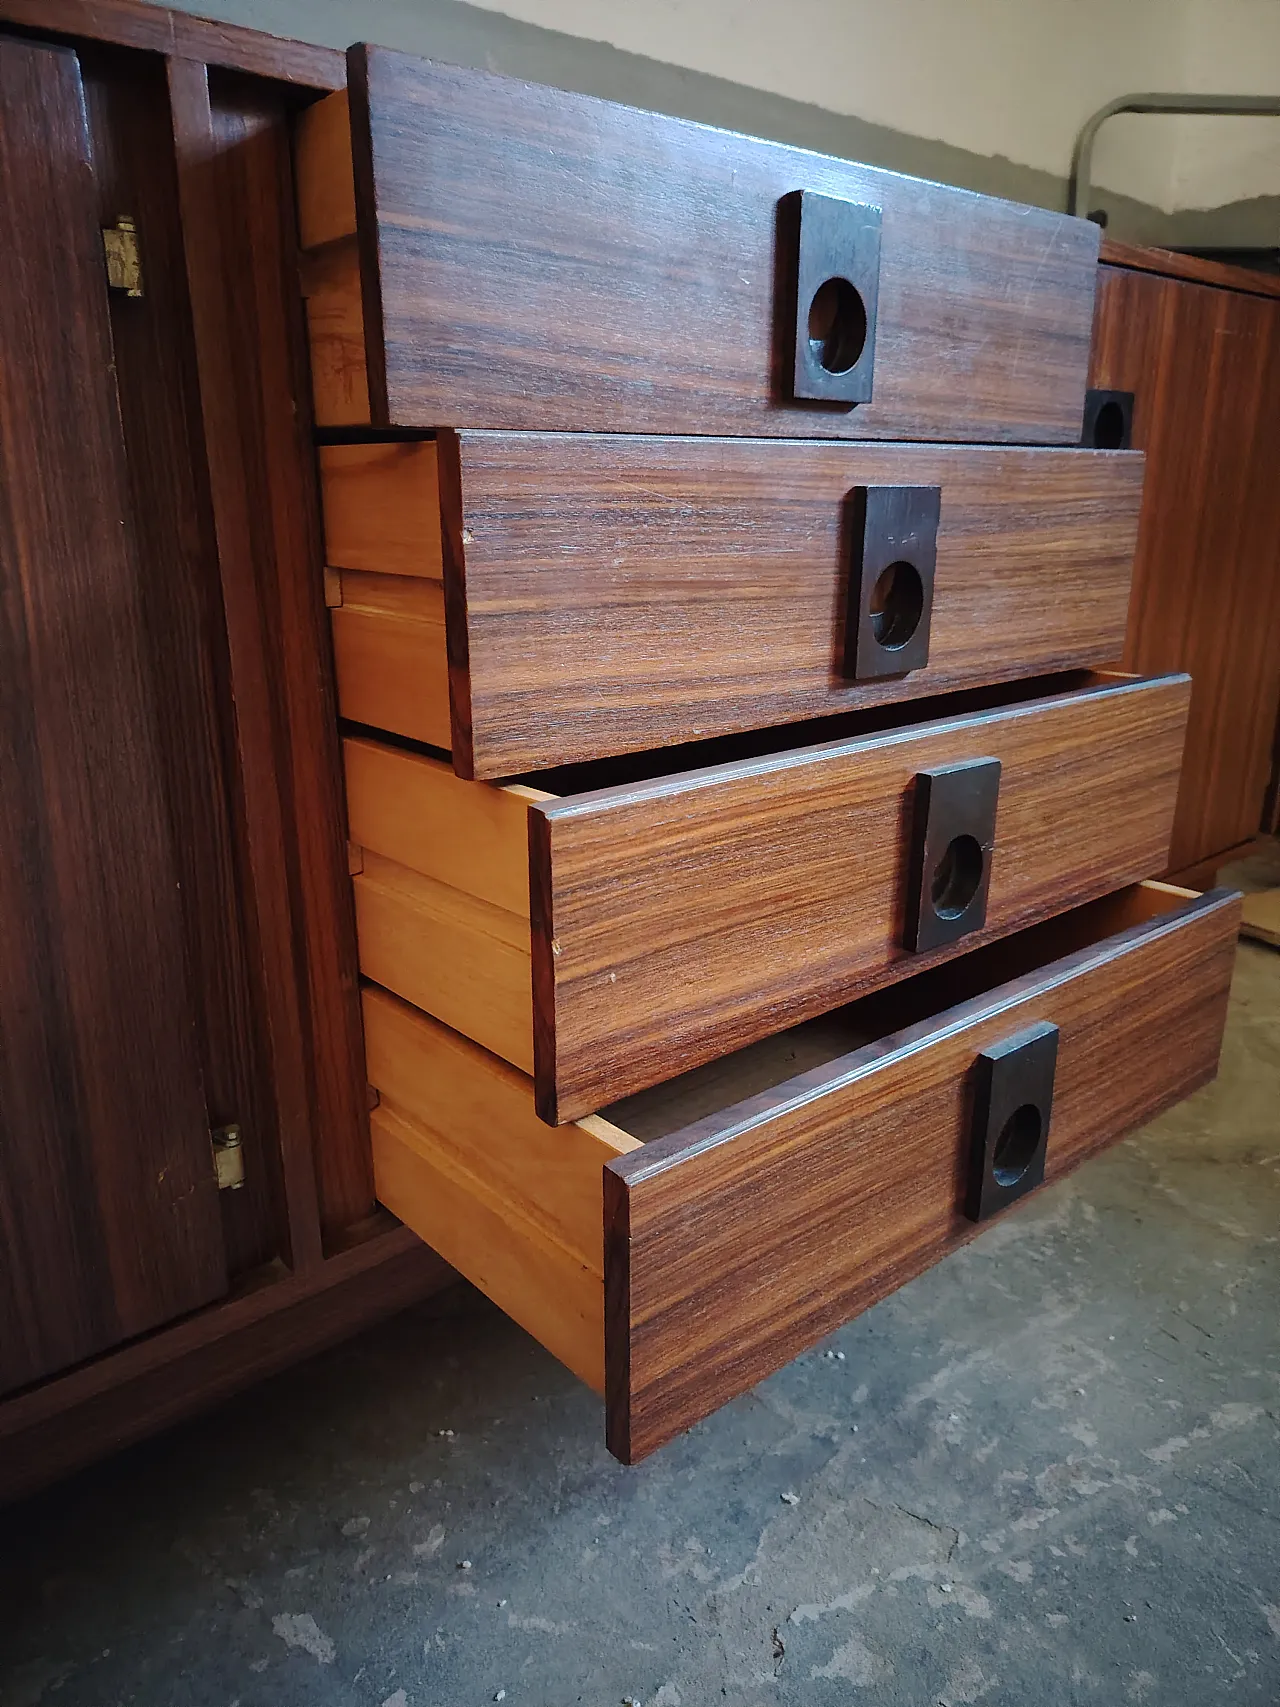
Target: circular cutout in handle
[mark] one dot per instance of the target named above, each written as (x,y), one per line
(957,877)
(837,325)
(1016,1145)
(896,605)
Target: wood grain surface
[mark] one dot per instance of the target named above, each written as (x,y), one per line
(382,507)
(161,30)
(1200,269)
(737,1243)
(461,1157)
(681,918)
(232,136)
(330,281)
(181,597)
(326,185)
(390,654)
(1204,366)
(536,259)
(448,952)
(276,1320)
(109,1216)
(622,593)
(415,811)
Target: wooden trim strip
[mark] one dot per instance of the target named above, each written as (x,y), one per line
(368,236)
(129,23)
(453,533)
(1196,269)
(235,192)
(265,827)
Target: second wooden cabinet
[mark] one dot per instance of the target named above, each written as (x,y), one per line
(1201,355)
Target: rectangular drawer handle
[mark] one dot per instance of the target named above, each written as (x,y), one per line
(894,532)
(1012,1105)
(836,284)
(953,835)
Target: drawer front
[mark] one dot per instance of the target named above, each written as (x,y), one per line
(611,594)
(678,919)
(543,260)
(736,1243)
(609,941)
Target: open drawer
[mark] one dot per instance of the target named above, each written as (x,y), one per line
(526,600)
(695,1238)
(607,938)
(485,252)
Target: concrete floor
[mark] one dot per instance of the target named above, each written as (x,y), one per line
(1045,1473)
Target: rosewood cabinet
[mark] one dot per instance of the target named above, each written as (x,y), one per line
(108,1205)
(553,677)
(1198,345)
(175,916)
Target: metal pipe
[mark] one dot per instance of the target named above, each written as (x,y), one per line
(1267,106)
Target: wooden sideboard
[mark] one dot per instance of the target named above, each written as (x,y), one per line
(181,972)
(179,953)
(1198,345)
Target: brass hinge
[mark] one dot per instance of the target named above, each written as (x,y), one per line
(124,260)
(228,1158)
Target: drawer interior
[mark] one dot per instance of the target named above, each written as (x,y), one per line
(763,1067)
(728,1176)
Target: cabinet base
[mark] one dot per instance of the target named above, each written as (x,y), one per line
(116,1400)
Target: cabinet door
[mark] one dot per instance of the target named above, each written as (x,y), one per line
(1204,366)
(109,1218)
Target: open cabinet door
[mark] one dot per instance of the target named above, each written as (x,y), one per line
(109,1216)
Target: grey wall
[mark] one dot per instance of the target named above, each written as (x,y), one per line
(461,34)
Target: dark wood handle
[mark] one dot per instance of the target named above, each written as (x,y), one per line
(894,534)
(1012,1105)
(837,282)
(953,833)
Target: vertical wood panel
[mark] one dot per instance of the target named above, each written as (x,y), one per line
(237,202)
(172,525)
(109,1220)
(1204,365)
